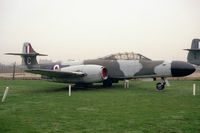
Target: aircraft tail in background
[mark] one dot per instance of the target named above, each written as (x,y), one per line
(194,53)
(28,56)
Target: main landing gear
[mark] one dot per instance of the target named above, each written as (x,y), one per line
(161,86)
(107,83)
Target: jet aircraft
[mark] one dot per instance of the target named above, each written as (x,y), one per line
(194,53)
(106,70)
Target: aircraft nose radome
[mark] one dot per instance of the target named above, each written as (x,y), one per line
(180,68)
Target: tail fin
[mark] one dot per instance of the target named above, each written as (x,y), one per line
(194,53)
(195,44)
(27,48)
(28,56)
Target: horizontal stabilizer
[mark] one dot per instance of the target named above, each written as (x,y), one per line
(24,54)
(57,74)
(192,49)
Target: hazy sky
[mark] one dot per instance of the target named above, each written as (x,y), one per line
(82,29)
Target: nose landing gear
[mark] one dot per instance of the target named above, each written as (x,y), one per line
(161,86)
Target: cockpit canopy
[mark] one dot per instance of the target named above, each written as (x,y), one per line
(125,56)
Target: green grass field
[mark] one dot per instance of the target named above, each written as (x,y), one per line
(38,106)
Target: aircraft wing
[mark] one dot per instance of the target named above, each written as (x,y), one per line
(57,74)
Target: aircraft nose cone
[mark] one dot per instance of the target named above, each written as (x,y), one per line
(180,68)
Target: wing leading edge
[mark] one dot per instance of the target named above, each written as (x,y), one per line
(57,74)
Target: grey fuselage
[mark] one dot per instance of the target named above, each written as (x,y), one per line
(129,69)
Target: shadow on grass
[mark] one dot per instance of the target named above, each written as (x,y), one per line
(135,87)
(76,88)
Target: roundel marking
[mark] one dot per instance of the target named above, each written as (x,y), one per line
(28,60)
(56,67)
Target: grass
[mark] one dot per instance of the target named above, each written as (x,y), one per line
(38,106)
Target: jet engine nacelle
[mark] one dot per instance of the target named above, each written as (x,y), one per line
(92,73)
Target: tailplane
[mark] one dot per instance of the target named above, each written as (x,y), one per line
(28,56)
(194,53)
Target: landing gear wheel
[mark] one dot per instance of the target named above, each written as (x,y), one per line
(160,86)
(107,83)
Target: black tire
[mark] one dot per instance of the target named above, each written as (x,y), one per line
(160,86)
(107,83)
